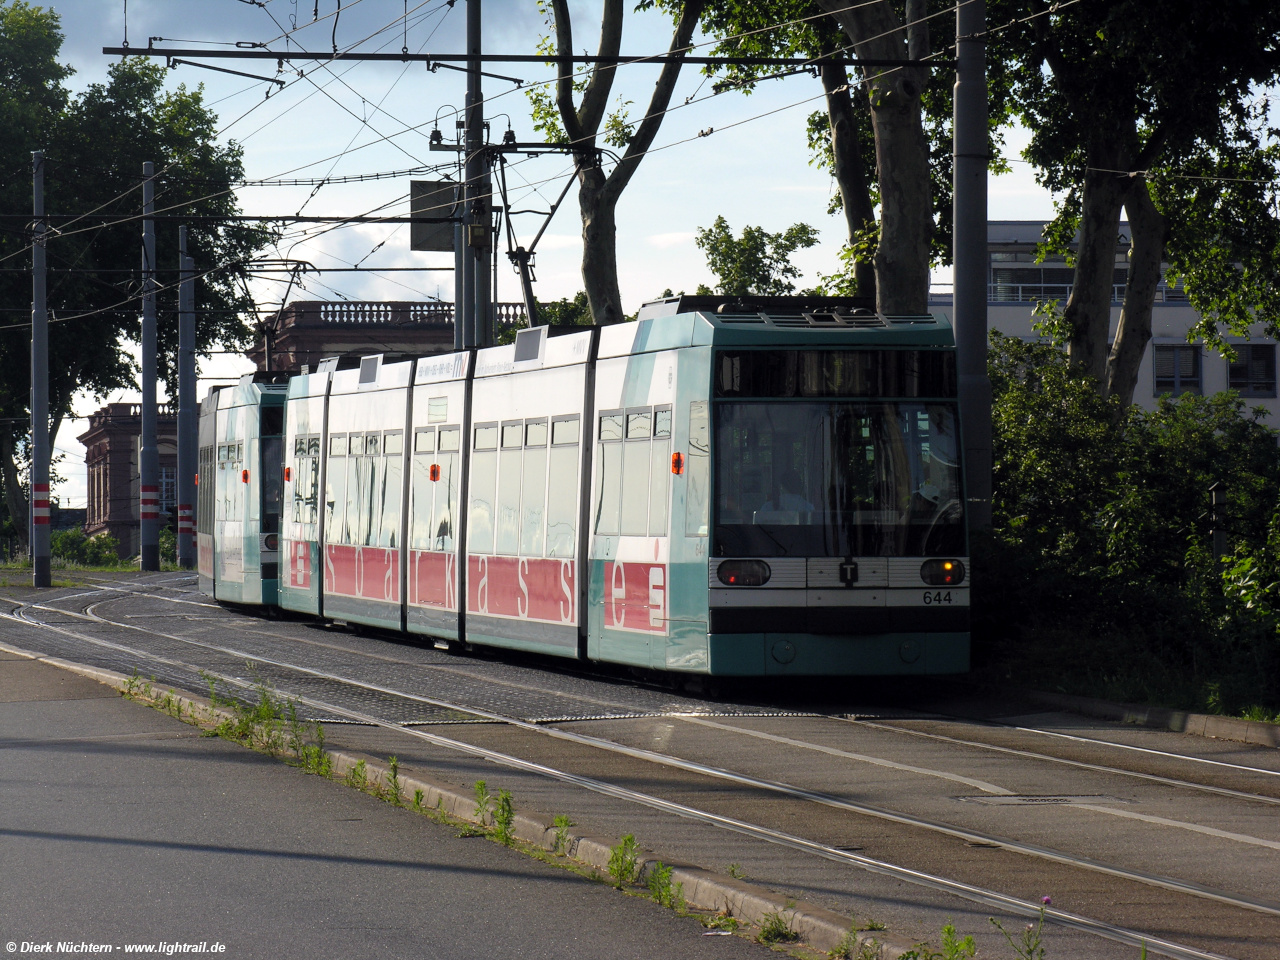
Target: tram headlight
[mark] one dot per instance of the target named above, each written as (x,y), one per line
(743,573)
(942,573)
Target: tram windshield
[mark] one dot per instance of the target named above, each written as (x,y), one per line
(837,479)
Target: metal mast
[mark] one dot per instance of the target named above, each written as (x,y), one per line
(187,439)
(149,452)
(970,255)
(39,527)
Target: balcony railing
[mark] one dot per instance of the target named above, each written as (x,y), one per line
(1027,292)
(389,312)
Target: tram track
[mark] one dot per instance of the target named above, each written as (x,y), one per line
(991,898)
(871,723)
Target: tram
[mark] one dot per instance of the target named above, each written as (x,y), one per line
(766,486)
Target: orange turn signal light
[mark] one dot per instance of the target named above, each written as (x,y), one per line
(942,573)
(677,463)
(434,472)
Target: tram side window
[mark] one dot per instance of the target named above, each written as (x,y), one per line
(635,473)
(507,532)
(205,490)
(660,472)
(421,489)
(534,489)
(392,484)
(562,488)
(305,482)
(335,490)
(447,490)
(609,485)
(698,471)
(484,483)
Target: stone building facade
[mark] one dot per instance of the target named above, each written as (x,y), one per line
(112,445)
(308,331)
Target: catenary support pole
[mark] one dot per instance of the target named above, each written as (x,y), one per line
(39,526)
(187,439)
(478,203)
(148,453)
(970,256)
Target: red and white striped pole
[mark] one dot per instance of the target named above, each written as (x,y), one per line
(149,503)
(186,530)
(40,504)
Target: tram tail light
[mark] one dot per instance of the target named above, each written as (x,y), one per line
(677,463)
(434,472)
(942,573)
(743,573)
(244,476)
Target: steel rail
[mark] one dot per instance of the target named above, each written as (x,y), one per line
(1045,853)
(966,891)
(1081,764)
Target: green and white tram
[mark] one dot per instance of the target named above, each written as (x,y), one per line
(746,488)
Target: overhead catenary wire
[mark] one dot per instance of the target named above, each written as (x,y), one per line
(707,132)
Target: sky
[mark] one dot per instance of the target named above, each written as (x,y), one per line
(742,157)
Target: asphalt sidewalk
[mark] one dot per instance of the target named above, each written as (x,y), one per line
(120,825)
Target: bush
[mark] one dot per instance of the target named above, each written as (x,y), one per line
(168,545)
(1100,578)
(73,546)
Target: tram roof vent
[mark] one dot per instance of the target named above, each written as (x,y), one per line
(369,368)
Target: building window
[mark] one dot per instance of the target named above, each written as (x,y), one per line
(168,488)
(1254,371)
(1177,369)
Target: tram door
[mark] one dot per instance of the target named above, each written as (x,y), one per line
(630,535)
(435,450)
(523,572)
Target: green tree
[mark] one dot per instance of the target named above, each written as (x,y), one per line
(573,312)
(1101,580)
(584,124)
(96,143)
(757,262)
(1129,105)
(885,133)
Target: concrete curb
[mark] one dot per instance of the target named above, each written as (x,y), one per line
(702,889)
(1163,718)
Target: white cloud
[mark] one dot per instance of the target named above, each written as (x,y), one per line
(678,238)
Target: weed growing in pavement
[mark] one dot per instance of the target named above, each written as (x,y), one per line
(954,947)
(724,920)
(623,861)
(562,824)
(357,776)
(872,924)
(393,781)
(416,806)
(851,947)
(1028,946)
(504,818)
(736,871)
(483,800)
(662,890)
(777,926)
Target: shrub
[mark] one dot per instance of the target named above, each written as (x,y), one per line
(1099,577)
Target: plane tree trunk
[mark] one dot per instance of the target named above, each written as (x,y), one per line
(848,169)
(599,192)
(1149,230)
(902,153)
